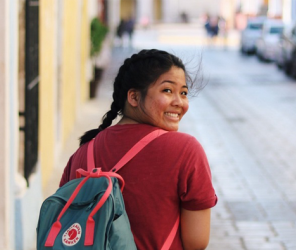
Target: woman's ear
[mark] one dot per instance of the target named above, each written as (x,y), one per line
(133,97)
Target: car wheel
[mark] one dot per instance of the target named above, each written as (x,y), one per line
(259,56)
(279,65)
(293,68)
(242,50)
(250,52)
(287,67)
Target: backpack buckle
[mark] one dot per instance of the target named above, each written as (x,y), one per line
(96,171)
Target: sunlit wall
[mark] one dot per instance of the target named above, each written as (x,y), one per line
(251,7)
(64,74)
(289,11)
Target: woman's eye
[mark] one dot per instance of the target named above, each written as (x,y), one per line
(167,90)
(184,93)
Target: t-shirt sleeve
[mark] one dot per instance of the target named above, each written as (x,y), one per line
(76,161)
(195,187)
(66,174)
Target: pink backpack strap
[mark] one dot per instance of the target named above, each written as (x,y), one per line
(129,155)
(90,155)
(137,148)
(169,240)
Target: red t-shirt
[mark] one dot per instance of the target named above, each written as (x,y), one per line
(170,172)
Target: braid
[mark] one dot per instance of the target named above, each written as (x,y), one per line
(118,98)
(107,121)
(109,116)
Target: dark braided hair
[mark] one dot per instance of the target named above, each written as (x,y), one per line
(137,72)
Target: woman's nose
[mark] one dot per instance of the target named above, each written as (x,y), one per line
(177,101)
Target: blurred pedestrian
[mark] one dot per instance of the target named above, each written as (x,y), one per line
(240,21)
(212,29)
(120,31)
(207,23)
(170,179)
(144,22)
(223,30)
(129,29)
(184,17)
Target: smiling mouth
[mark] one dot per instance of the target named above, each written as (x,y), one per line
(174,115)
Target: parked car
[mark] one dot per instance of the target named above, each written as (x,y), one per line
(250,35)
(266,44)
(286,55)
(280,51)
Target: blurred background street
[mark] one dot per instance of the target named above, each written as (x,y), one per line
(57,83)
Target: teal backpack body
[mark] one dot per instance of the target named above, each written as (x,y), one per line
(77,228)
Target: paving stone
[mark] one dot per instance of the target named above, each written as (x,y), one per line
(265,246)
(229,243)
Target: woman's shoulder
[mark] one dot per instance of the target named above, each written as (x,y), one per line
(181,137)
(180,142)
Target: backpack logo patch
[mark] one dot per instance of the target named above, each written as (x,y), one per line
(72,235)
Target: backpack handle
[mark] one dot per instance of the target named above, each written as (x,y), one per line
(82,173)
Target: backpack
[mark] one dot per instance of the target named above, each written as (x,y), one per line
(89,212)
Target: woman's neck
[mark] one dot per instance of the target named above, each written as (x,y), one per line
(127,120)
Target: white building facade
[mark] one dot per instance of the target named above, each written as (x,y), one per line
(9,124)
(289,11)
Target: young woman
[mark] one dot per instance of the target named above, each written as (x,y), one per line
(170,177)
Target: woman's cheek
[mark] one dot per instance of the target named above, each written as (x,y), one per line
(186,107)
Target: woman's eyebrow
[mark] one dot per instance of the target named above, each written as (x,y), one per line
(172,82)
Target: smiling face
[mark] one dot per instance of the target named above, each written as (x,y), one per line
(165,103)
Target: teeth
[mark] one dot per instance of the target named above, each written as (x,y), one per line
(172,115)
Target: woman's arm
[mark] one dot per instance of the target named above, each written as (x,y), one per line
(195,229)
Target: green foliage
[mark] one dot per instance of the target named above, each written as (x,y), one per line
(98,32)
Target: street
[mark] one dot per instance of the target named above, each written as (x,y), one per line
(245,118)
